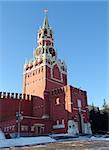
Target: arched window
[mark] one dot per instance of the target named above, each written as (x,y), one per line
(62,121)
(57,122)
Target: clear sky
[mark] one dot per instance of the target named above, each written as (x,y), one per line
(80,32)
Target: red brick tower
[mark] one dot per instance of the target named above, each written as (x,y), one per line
(45,71)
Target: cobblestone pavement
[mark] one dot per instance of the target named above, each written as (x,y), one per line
(69,145)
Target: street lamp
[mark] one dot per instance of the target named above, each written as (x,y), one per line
(19,117)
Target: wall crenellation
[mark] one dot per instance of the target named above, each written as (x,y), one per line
(8,95)
(32,64)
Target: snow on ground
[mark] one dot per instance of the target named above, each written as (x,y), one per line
(99,138)
(25,141)
(83,138)
(2,136)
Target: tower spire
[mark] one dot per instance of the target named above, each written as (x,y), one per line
(45,22)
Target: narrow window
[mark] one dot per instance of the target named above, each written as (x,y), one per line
(57,101)
(50,35)
(62,121)
(42,69)
(39,35)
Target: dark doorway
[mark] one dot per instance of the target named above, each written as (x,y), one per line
(79,123)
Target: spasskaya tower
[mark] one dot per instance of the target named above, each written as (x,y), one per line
(45,71)
(48,103)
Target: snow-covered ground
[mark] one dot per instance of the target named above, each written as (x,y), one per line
(2,136)
(99,138)
(25,141)
(83,138)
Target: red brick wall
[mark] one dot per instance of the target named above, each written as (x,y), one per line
(37,81)
(51,83)
(38,106)
(34,82)
(47,124)
(82,95)
(57,111)
(67,108)
(56,72)
(64,79)
(9,107)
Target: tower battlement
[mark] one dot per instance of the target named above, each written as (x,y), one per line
(33,64)
(8,95)
(79,91)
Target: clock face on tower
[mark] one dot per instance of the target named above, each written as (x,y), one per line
(38,51)
(52,51)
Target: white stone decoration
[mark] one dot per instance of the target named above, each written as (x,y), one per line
(87,127)
(72,127)
(58,126)
(45,116)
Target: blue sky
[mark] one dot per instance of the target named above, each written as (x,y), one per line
(80,32)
